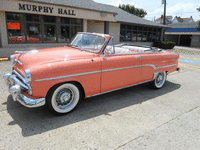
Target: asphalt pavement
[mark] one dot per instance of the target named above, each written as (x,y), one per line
(132,118)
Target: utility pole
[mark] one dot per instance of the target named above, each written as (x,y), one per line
(164,1)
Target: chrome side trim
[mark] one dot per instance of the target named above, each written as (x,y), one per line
(94,72)
(150,65)
(119,88)
(67,76)
(116,69)
(167,66)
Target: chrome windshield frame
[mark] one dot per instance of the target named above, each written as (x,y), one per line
(105,40)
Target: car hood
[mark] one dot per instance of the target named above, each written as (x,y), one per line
(50,55)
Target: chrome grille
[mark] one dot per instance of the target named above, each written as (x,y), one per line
(22,80)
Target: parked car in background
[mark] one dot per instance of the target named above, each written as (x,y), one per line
(90,65)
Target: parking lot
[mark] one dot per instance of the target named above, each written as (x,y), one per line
(132,118)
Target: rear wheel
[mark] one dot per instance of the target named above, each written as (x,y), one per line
(159,81)
(63,98)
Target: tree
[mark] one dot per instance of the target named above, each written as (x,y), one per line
(135,11)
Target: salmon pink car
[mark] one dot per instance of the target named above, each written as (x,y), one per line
(90,65)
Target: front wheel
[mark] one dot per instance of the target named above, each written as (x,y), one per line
(159,81)
(64,98)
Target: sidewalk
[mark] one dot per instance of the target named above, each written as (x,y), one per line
(186,50)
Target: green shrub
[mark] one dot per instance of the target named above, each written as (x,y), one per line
(168,42)
(164,44)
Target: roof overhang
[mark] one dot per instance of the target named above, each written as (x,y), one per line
(183,33)
(147,25)
(71,6)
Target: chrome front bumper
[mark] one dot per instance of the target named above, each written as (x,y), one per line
(14,88)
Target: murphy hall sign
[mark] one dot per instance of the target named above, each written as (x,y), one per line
(44,9)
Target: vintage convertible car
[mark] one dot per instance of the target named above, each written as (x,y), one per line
(90,65)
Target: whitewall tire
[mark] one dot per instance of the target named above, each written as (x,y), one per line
(159,81)
(63,98)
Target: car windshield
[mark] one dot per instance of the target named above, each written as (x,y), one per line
(88,42)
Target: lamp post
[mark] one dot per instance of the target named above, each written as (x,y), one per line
(164,2)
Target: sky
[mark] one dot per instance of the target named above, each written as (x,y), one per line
(154,8)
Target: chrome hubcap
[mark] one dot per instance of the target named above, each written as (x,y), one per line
(160,79)
(64,98)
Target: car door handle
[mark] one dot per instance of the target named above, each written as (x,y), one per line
(138,57)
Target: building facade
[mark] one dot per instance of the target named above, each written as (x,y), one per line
(44,23)
(184,34)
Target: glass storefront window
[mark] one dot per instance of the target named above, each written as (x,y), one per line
(128,36)
(50,19)
(140,28)
(33,33)
(139,37)
(64,20)
(122,35)
(31,17)
(135,27)
(133,33)
(123,26)
(14,16)
(49,33)
(144,37)
(74,30)
(76,21)
(129,27)
(64,34)
(145,29)
(134,36)
(16,32)
(32,28)
(149,37)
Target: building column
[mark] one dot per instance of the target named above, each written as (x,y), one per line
(84,25)
(179,39)
(3,30)
(162,34)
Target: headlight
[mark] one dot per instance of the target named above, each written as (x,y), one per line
(12,59)
(27,75)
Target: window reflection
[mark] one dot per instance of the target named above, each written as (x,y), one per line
(14,16)
(133,33)
(49,33)
(32,28)
(33,33)
(50,19)
(64,34)
(31,17)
